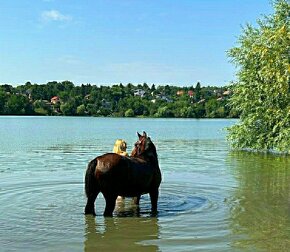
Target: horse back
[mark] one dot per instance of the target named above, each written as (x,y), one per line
(112,162)
(127,175)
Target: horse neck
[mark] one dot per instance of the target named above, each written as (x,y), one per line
(150,156)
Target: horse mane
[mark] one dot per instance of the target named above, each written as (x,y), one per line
(152,148)
(154,152)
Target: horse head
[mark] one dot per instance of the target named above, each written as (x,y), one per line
(144,146)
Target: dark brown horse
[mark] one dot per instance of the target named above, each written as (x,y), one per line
(114,175)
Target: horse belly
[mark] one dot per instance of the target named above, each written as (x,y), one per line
(136,186)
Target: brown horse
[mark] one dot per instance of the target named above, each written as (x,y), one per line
(114,175)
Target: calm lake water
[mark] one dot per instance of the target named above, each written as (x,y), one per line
(211,198)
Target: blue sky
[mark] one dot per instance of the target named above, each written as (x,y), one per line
(175,42)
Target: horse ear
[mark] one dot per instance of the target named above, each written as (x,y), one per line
(139,135)
(144,134)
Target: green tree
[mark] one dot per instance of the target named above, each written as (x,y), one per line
(190,112)
(3,99)
(199,110)
(129,113)
(81,110)
(92,109)
(17,105)
(211,107)
(68,108)
(64,96)
(111,101)
(164,112)
(41,107)
(262,94)
(197,91)
(215,109)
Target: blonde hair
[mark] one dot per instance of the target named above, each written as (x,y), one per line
(120,147)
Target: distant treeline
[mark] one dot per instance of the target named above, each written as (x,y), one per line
(64,98)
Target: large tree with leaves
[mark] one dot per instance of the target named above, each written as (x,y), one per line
(262,91)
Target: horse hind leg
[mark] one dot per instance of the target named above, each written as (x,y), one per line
(91,187)
(110,205)
(90,206)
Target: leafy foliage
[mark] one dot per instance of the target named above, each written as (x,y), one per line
(117,100)
(262,94)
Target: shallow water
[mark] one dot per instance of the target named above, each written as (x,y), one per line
(211,198)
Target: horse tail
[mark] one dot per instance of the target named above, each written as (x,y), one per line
(91,185)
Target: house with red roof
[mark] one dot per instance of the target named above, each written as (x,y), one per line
(54,100)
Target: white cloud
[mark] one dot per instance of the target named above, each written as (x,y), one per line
(54,15)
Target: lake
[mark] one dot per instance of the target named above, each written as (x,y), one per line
(211,198)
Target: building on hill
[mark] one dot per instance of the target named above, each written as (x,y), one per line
(180,92)
(190,93)
(54,100)
(139,92)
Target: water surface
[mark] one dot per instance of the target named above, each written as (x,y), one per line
(211,198)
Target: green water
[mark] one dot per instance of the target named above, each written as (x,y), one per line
(211,198)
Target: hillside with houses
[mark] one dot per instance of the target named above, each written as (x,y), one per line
(142,100)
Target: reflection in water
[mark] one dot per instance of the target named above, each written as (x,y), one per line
(260,206)
(120,234)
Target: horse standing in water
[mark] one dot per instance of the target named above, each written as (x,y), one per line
(114,175)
